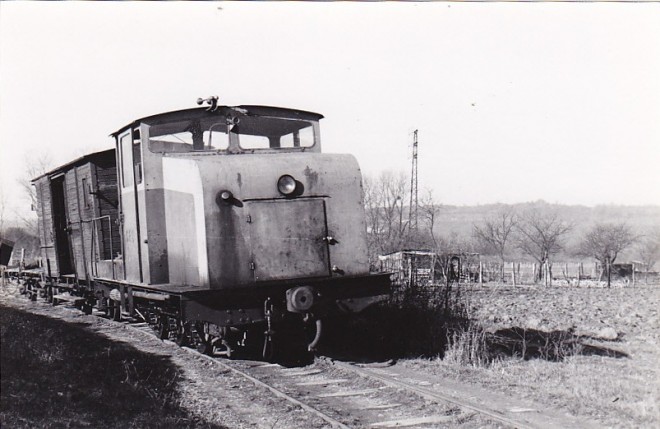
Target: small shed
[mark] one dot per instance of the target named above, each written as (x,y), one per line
(410,266)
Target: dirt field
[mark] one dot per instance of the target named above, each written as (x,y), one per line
(593,352)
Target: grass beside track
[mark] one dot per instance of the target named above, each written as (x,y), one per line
(55,374)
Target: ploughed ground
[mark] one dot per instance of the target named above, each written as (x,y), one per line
(590,351)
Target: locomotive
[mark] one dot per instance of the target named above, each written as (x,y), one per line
(224,227)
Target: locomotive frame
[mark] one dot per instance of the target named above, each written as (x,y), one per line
(223,227)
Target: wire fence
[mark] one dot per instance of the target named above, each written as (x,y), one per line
(420,269)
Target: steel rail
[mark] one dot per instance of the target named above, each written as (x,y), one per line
(275,391)
(334,423)
(431,395)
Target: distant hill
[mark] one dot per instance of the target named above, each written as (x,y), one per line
(459,220)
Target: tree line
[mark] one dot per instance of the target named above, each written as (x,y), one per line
(538,232)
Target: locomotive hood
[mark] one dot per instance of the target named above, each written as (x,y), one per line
(247,231)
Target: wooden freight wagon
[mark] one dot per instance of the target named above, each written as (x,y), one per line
(78,210)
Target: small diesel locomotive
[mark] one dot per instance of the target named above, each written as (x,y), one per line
(223,227)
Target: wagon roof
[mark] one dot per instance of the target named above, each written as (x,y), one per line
(204,111)
(77,161)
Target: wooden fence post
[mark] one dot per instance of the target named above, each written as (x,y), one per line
(513,273)
(481,273)
(21,263)
(579,273)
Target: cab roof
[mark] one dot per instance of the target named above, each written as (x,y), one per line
(202,112)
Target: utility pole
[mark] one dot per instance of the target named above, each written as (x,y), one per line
(413,188)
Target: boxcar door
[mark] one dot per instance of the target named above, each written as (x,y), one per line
(61,225)
(129,209)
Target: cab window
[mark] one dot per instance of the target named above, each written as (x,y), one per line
(233,130)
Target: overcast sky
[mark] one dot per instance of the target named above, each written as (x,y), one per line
(513,102)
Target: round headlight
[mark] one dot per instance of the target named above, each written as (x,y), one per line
(286,185)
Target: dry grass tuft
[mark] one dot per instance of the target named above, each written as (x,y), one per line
(468,346)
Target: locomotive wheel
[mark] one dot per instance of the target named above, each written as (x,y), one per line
(205,347)
(228,351)
(288,345)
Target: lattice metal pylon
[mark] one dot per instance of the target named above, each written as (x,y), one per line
(413,187)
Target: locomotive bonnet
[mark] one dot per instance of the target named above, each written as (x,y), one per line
(220,226)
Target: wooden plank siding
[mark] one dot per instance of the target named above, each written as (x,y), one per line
(90,191)
(45,222)
(106,200)
(80,213)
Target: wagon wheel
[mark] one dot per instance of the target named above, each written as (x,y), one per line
(204,345)
(183,334)
(31,291)
(115,311)
(163,327)
(87,308)
(103,306)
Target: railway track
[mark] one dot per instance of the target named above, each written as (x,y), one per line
(347,395)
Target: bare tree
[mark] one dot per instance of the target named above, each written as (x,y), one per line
(541,235)
(429,211)
(386,226)
(604,242)
(35,166)
(648,250)
(495,233)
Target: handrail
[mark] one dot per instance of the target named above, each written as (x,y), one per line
(100,218)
